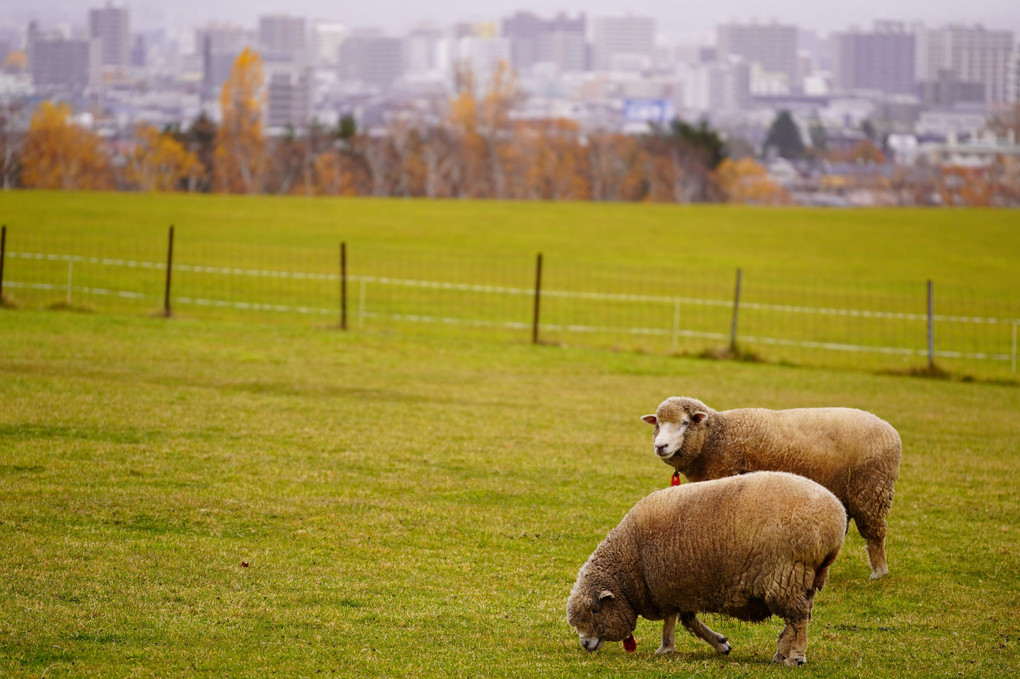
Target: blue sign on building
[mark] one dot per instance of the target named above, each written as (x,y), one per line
(658,111)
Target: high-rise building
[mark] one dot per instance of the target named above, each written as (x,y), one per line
(424,50)
(559,41)
(881,60)
(282,38)
(972,54)
(372,59)
(111,26)
(327,36)
(1013,88)
(220,45)
(57,62)
(622,43)
(772,46)
(717,86)
(482,56)
(288,97)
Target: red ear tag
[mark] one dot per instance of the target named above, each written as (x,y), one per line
(675,481)
(629,644)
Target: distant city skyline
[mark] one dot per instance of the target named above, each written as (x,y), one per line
(674,22)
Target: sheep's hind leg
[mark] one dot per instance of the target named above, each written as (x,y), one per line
(876,557)
(791,649)
(792,646)
(700,630)
(668,639)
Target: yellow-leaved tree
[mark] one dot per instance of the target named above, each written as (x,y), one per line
(59,154)
(745,181)
(240,159)
(161,163)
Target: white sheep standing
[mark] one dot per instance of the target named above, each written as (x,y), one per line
(853,453)
(748,546)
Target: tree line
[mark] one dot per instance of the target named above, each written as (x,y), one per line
(475,148)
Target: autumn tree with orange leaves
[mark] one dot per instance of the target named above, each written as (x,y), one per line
(59,154)
(161,163)
(745,181)
(240,158)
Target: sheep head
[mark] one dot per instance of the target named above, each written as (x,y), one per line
(599,615)
(679,429)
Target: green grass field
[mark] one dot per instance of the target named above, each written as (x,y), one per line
(417,503)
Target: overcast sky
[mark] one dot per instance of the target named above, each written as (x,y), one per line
(676,18)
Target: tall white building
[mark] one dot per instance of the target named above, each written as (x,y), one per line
(973,54)
(111,26)
(622,43)
(327,36)
(717,86)
(483,55)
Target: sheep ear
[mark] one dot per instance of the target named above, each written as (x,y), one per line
(650,419)
(698,417)
(605,595)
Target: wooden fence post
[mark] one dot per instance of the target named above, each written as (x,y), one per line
(538,297)
(169,268)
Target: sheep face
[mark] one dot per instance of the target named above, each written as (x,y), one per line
(599,616)
(675,422)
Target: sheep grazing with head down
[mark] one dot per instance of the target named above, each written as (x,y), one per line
(854,454)
(748,546)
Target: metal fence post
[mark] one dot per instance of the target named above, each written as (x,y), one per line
(3,256)
(538,296)
(931,330)
(169,268)
(343,286)
(736,308)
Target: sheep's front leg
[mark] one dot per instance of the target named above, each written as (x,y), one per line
(668,644)
(698,629)
(792,646)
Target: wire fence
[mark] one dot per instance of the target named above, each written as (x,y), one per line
(866,325)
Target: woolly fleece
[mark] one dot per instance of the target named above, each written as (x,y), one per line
(749,547)
(853,453)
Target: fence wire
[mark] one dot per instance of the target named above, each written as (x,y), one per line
(864,325)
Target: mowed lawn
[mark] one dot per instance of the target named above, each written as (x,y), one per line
(211,497)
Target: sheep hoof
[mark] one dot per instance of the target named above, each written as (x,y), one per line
(795,661)
(875,575)
(724,646)
(663,650)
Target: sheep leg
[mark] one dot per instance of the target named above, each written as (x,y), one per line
(668,644)
(876,557)
(870,501)
(791,647)
(700,630)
